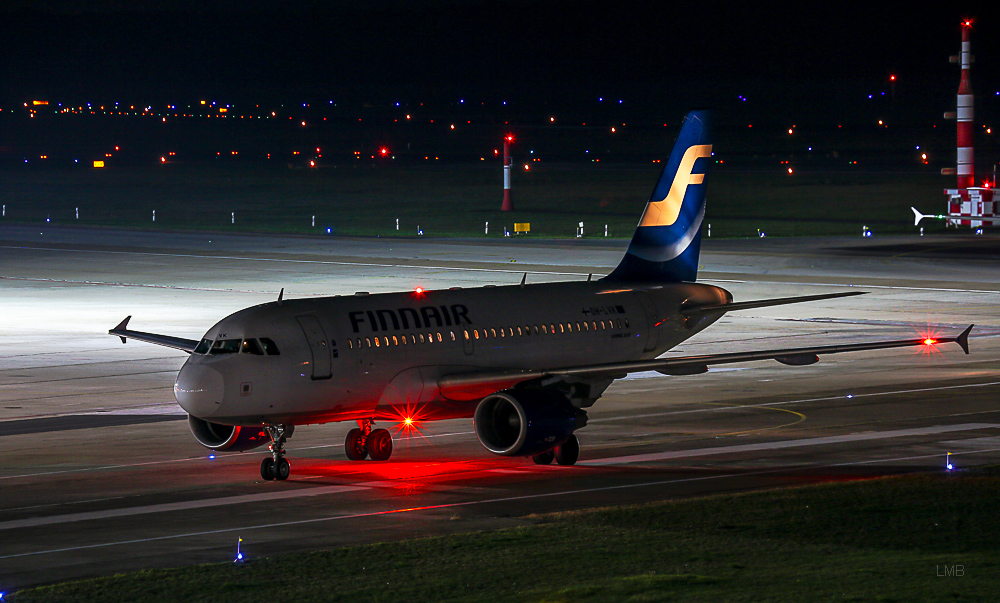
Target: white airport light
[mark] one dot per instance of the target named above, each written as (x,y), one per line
(947,462)
(849,396)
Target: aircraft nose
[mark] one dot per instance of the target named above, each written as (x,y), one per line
(199,389)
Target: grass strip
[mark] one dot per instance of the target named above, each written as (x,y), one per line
(909,538)
(459,200)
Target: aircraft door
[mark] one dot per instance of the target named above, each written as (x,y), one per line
(467,342)
(649,309)
(317,345)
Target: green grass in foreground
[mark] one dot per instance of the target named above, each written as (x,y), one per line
(877,540)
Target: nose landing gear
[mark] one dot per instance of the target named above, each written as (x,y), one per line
(276,466)
(363,441)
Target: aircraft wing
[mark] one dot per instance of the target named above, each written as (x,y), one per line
(188,345)
(474,385)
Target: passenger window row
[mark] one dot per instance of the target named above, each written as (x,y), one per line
(395,340)
(487,333)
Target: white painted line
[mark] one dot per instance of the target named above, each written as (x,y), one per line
(854,437)
(788,402)
(177,506)
(281,260)
(469,503)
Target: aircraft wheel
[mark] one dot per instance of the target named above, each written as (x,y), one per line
(569,451)
(544,458)
(267,469)
(379,445)
(356,451)
(282,469)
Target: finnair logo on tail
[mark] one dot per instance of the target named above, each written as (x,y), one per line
(665,212)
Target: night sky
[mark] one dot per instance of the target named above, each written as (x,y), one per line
(816,63)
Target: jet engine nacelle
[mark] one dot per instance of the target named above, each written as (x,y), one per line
(525,423)
(233,438)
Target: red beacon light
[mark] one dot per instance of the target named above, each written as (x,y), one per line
(930,341)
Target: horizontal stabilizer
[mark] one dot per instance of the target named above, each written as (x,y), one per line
(764,303)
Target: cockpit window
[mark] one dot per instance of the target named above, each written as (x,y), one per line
(226,346)
(250,346)
(203,347)
(269,347)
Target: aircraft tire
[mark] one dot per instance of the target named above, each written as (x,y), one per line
(568,452)
(544,458)
(282,469)
(355,451)
(379,445)
(267,468)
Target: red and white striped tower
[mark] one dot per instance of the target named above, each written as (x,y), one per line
(508,205)
(964,116)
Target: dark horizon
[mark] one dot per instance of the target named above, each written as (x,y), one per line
(815,64)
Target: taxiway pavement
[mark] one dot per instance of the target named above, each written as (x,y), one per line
(101,475)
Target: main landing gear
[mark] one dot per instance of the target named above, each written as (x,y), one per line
(276,466)
(363,441)
(566,453)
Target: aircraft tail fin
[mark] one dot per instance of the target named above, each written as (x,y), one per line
(667,241)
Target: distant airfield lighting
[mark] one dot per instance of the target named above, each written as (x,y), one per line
(527,167)
(303,124)
(790,171)
(892,78)
(552,119)
(407,117)
(613,129)
(790,131)
(452,126)
(163,159)
(384,151)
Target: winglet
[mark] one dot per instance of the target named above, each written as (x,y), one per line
(281,294)
(963,339)
(121,327)
(524,278)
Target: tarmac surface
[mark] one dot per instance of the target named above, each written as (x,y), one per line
(100,473)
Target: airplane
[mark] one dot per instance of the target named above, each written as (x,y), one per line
(525,361)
